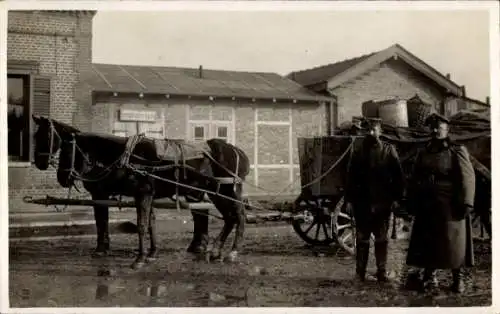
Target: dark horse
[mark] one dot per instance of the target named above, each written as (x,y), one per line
(49,137)
(98,158)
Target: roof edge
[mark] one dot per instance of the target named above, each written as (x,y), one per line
(396,50)
(311,99)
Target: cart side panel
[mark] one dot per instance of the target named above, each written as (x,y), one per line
(332,150)
(306,162)
(316,157)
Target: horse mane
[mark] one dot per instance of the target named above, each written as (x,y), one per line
(66,127)
(104,147)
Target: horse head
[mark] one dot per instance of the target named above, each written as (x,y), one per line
(48,138)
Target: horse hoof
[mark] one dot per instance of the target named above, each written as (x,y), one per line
(232,256)
(137,265)
(207,257)
(100,253)
(151,257)
(214,255)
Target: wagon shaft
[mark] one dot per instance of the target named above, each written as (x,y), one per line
(49,200)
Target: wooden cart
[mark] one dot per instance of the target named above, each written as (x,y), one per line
(323,165)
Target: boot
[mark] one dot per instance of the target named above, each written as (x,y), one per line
(362,253)
(429,281)
(381,261)
(457,285)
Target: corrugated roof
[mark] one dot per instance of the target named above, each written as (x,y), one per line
(187,81)
(323,73)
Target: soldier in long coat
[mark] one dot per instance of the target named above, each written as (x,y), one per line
(375,185)
(440,197)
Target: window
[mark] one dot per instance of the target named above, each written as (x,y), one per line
(18,117)
(199,133)
(222,133)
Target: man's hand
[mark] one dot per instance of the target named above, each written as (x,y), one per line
(468,209)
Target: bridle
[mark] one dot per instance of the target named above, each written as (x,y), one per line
(74,174)
(52,136)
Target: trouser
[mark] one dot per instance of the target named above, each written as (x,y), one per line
(366,225)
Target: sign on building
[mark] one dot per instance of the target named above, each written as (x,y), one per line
(137,115)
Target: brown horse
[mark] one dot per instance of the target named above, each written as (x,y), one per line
(97,158)
(49,136)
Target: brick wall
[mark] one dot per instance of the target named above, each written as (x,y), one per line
(391,79)
(273,140)
(61,43)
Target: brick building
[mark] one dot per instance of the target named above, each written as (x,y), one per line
(263,113)
(391,73)
(50,73)
(46,52)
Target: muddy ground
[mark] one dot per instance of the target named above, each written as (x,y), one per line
(275,268)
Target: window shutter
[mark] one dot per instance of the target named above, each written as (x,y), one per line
(40,105)
(41,96)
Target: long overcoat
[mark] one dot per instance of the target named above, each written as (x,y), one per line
(441,188)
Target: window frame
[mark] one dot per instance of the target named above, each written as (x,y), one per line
(27,132)
(192,130)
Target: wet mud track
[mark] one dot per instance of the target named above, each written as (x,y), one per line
(274,269)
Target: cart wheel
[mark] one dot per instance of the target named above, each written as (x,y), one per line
(312,221)
(344,228)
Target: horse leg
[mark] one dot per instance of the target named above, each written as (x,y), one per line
(220,240)
(153,252)
(239,211)
(101,216)
(231,217)
(200,232)
(143,207)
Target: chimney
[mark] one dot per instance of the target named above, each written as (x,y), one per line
(463,90)
(448,75)
(488,100)
(201,71)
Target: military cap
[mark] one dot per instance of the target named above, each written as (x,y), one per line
(371,122)
(357,122)
(434,119)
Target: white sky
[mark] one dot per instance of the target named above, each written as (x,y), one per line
(455,42)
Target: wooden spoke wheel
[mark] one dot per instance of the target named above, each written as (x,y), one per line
(312,221)
(344,228)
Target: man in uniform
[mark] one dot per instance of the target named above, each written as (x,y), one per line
(356,128)
(440,197)
(375,185)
